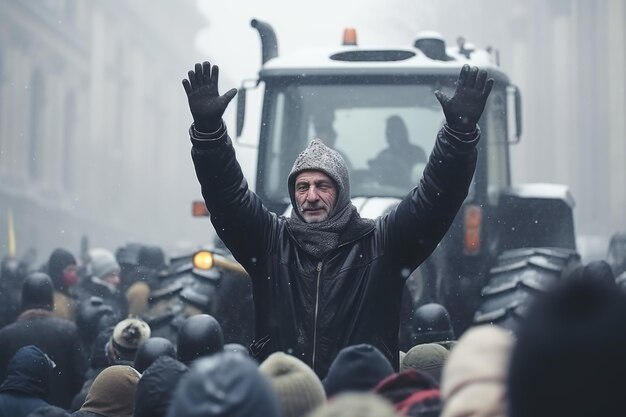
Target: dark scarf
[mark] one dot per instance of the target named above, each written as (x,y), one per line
(317,239)
(343,222)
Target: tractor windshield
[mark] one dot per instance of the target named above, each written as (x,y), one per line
(385,131)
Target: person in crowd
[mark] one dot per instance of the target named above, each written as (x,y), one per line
(151,265)
(92,316)
(127,257)
(112,393)
(10,290)
(102,279)
(325,278)
(432,324)
(298,388)
(151,350)
(49,411)
(128,336)
(224,384)
(569,355)
(98,361)
(27,382)
(62,268)
(616,254)
(356,404)
(198,336)
(474,378)
(428,358)
(412,393)
(58,338)
(236,347)
(156,387)
(394,164)
(356,368)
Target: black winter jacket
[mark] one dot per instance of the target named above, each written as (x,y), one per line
(59,339)
(311,307)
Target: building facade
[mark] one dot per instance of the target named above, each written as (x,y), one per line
(93,120)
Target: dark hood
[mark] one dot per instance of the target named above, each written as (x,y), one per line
(224,385)
(59,259)
(29,372)
(156,387)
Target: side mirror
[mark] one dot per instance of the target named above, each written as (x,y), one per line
(241,109)
(241,102)
(514,108)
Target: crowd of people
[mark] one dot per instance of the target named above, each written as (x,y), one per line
(566,359)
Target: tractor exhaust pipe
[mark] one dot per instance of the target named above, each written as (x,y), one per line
(269,44)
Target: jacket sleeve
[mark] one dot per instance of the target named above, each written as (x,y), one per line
(239,217)
(415,227)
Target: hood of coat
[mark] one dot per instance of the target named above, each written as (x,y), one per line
(156,387)
(29,372)
(224,384)
(113,392)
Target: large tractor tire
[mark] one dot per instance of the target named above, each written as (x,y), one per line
(519,277)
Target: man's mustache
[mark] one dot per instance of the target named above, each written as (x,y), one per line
(311,207)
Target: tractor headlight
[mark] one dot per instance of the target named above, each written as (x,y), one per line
(203,260)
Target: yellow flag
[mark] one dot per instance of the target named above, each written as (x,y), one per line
(11,232)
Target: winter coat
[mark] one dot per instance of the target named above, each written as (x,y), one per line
(156,387)
(64,306)
(91,287)
(59,339)
(312,308)
(26,383)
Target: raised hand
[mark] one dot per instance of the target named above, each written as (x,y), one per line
(206,105)
(463,110)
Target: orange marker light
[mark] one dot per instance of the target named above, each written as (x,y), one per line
(349,36)
(198,209)
(473,224)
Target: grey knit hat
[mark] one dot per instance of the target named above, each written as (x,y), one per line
(102,262)
(429,358)
(356,405)
(319,157)
(298,388)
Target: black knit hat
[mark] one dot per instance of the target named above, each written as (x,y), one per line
(569,358)
(356,368)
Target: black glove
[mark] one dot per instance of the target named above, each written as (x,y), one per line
(463,110)
(206,105)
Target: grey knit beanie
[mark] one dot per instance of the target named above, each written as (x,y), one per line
(102,262)
(356,405)
(297,387)
(429,358)
(319,157)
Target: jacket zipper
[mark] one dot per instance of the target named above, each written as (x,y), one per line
(317,300)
